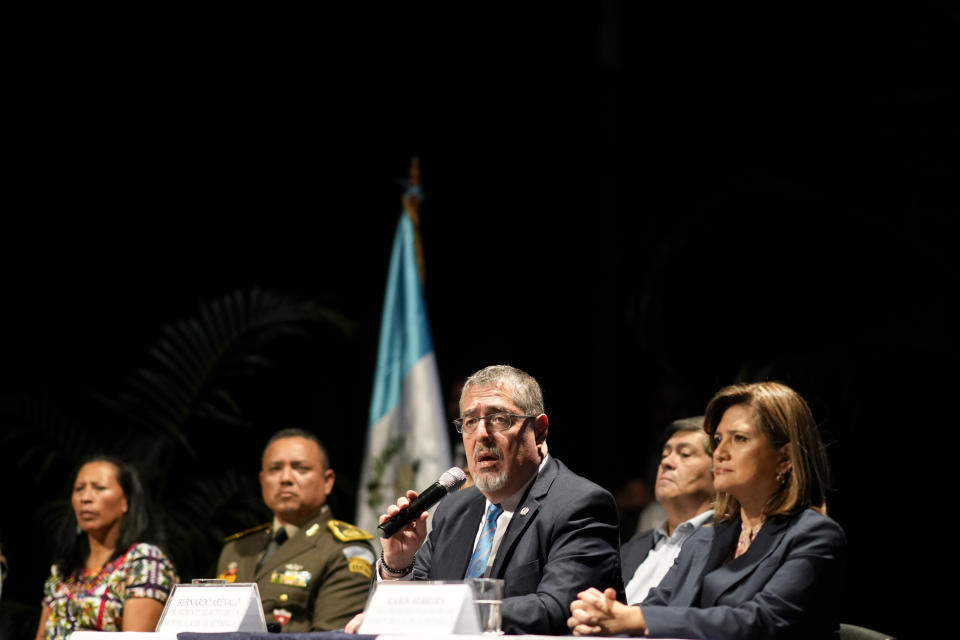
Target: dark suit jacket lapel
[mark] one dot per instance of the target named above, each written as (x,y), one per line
(737,569)
(524,516)
(724,542)
(452,559)
(634,553)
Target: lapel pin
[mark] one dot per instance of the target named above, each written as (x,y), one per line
(524,511)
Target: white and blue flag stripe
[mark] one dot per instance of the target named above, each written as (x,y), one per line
(408,443)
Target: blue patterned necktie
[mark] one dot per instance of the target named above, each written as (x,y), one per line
(478,561)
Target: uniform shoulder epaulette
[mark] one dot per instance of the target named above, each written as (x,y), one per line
(346,532)
(237,536)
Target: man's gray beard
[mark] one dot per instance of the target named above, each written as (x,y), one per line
(489,482)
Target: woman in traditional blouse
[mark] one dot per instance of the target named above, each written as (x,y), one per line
(771,565)
(107,576)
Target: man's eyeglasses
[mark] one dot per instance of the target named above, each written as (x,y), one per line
(495,422)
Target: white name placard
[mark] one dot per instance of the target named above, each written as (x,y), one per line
(213,608)
(420,608)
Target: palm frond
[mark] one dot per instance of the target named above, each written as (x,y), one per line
(201,515)
(48,443)
(196,359)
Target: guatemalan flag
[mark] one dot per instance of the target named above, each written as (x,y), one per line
(408,443)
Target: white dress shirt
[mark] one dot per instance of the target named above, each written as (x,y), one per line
(662,556)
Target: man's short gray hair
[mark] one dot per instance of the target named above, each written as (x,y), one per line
(523,387)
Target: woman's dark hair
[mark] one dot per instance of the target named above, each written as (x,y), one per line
(72,546)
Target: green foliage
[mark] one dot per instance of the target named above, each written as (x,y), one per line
(378,466)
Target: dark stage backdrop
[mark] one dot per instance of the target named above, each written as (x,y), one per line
(637,206)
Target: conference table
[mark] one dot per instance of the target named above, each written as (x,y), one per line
(247,635)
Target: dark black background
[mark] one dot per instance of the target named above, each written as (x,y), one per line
(636,205)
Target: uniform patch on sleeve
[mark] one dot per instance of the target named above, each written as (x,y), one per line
(359,560)
(346,532)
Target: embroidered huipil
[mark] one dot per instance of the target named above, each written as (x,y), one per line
(93,600)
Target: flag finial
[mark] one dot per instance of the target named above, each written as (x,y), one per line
(411,205)
(415,171)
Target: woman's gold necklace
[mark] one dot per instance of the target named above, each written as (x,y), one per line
(747,534)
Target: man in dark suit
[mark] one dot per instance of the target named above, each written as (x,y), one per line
(684,488)
(547,532)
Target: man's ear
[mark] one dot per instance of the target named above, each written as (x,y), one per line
(328,479)
(541,425)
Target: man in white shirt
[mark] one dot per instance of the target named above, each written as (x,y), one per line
(684,489)
(529,520)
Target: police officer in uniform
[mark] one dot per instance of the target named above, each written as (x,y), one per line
(313,572)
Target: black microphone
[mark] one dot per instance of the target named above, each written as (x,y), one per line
(450,480)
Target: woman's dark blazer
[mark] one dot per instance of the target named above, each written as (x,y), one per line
(787,584)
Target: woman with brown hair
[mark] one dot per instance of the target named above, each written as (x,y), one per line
(771,565)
